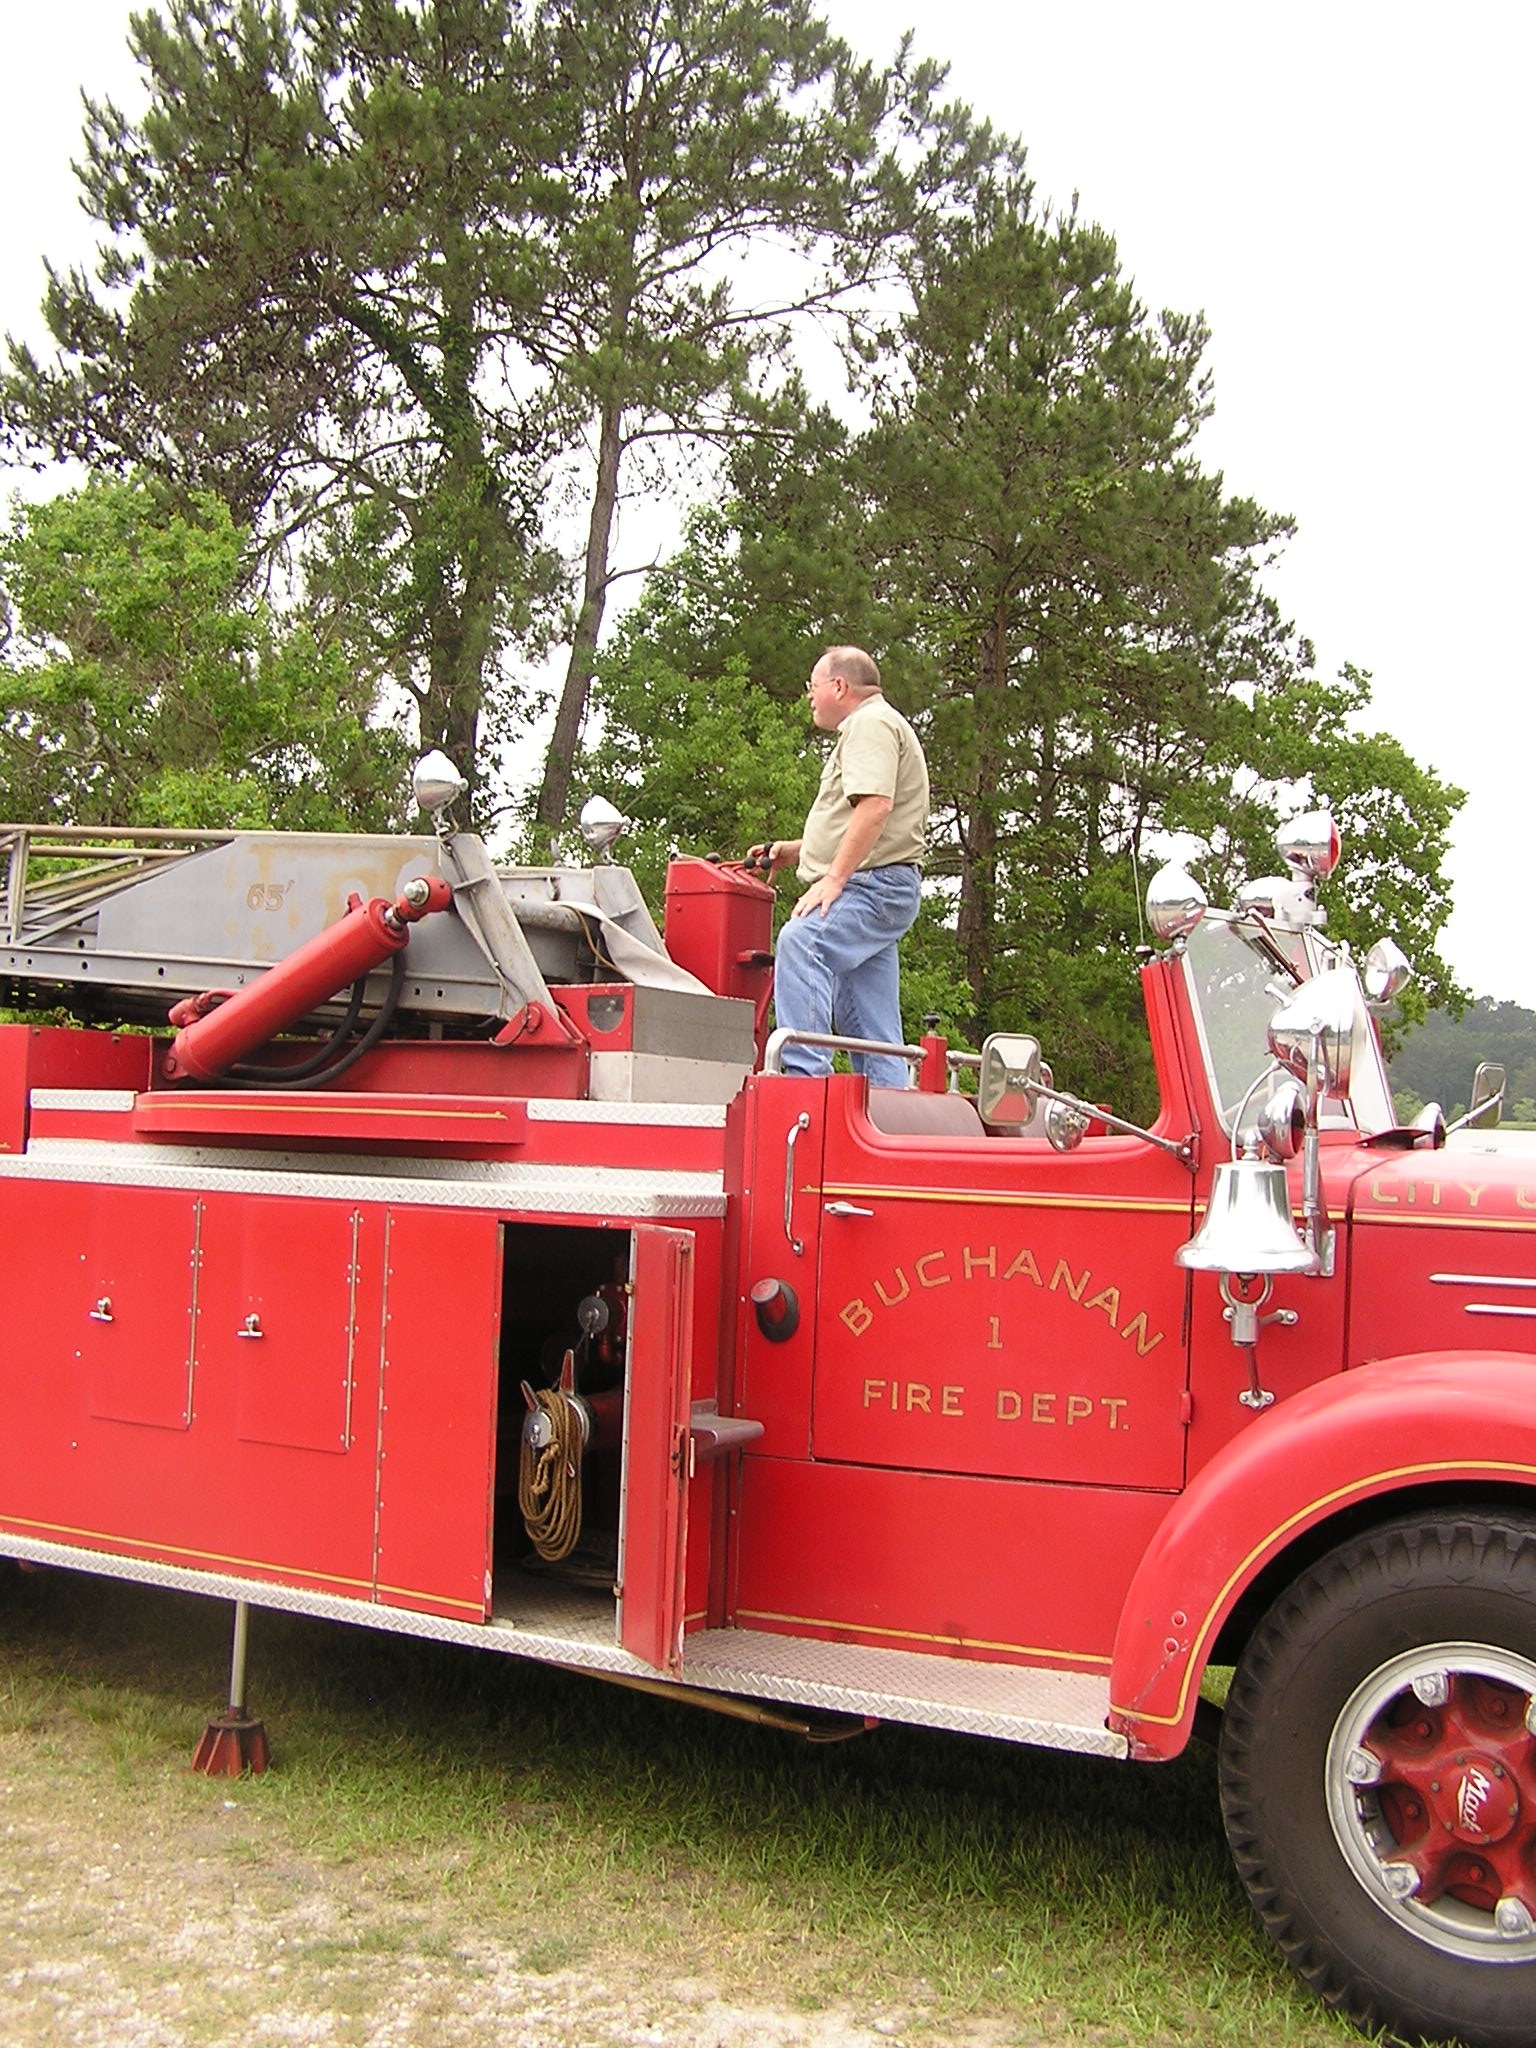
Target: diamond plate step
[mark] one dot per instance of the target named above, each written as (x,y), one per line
(574,1626)
(1051,1709)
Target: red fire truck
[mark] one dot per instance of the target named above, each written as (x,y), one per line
(465,1265)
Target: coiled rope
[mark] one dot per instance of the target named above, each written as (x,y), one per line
(549,1480)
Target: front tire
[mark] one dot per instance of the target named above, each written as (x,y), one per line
(1378,1778)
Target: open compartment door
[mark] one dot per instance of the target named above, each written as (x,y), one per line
(653,1528)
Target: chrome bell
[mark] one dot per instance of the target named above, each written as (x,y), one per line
(1248,1227)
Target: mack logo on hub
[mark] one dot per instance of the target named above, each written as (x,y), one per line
(1471,1799)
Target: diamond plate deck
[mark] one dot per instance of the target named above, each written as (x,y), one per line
(697,1115)
(546,1189)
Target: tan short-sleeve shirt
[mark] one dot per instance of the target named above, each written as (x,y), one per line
(875,753)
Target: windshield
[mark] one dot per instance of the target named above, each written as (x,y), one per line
(1237,985)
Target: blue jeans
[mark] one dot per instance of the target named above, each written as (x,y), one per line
(839,973)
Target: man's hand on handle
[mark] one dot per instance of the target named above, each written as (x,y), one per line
(773,854)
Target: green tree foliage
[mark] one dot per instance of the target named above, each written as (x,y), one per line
(415,280)
(699,765)
(139,686)
(1071,611)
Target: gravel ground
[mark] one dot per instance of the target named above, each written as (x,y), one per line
(174,1914)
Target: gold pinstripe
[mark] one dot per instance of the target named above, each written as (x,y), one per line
(318,1109)
(973,1196)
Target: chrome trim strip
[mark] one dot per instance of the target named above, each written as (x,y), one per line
(1480,1280)
(192,1332)
(117,1100)
(353,1267)
(1491,1308)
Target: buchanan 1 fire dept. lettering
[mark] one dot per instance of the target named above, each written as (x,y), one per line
(1003,1404)
(941,1268)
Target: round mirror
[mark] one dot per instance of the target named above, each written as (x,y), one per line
(1066,1126)
(1431,1121)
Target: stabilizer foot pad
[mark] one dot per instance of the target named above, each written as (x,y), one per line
(231,1746)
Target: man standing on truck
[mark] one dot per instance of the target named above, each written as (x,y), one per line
(860,855)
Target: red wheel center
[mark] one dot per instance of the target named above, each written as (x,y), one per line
(1457,1789)
(1475,1798)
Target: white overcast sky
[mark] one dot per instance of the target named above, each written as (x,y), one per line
(1344,190)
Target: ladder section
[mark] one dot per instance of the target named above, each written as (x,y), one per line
(55,876)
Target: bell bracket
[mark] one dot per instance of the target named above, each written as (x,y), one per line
(1245,1295)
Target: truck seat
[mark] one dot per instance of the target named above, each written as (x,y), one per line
(909,1112)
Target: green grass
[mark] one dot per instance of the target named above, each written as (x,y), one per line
(1070,1899)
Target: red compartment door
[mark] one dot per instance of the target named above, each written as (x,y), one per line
(437,1427)
(654,1530)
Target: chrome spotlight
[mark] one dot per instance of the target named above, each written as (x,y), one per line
(1310,844)
(1175,903)
(1326,1011)
(1385,971)
(436,784)
(600,824)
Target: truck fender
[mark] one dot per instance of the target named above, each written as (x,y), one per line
(1423,1419)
